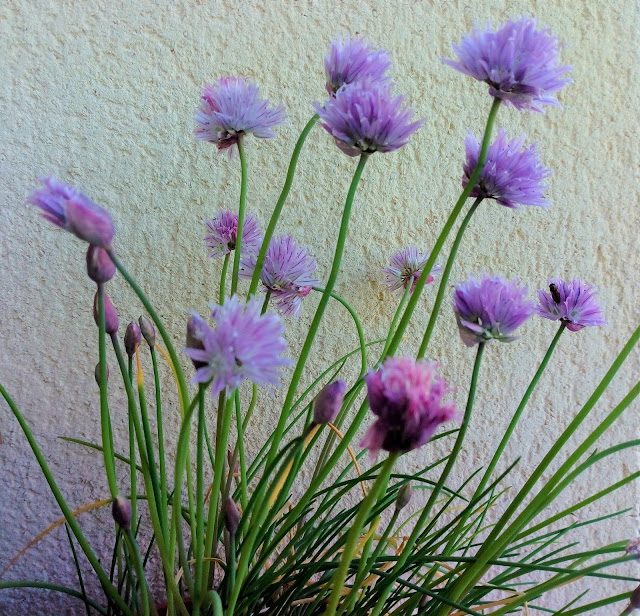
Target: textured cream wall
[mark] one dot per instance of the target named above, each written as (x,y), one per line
(102,94)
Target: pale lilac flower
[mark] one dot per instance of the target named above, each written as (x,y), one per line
(519,62)
(328,402)
(490,309)
(405,267)
(406,395)
(244,344)
(512,175)
(232,107)
(66,207)
(223,234)
(574,303)
(287,273)
(100,267)
(364,117)
(353,59)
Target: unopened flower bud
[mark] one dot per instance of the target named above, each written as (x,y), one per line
(111,321)
(423,601)
(328,402)
(147,330)
(121,512)
(97,373)
(132,338)
(100,267)
(404,496)
(194,337)
(231,516)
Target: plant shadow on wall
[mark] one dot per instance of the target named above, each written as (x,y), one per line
(229,534)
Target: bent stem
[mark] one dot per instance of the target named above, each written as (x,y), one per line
(273,221)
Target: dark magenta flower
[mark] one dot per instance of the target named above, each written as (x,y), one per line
(491,308)
(100,267)
(574,303)
(512,175)
(111,320)
(519,62)
(232,107)
(406,395)
(66,207)
(328,402)
(245,344)
(405,267)
(287,273)
(132,338)
(223,234)
(353,59)
(364,118)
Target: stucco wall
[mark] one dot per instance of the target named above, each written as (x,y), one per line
(103,94)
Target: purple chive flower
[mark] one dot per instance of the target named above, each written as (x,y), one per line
(353,59)
(132,338)
(405,267)
(519,62)
(574,303)
(328,402)
(232,107)
(66,207)
(111,320)
(100,267)
(406,395)
(511,175)
(490,309)
(364,117)
(223,234)
(287,273)
(244,345)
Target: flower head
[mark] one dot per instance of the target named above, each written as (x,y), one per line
(245,344)
(232,107)
(287,273)
(405,267)
(511,175)
(223,234)
(328,402)
(353,59)
(406,395)
(66,207)
(519,62)
(363,117)
(490,309)
(100,267)
(574,303)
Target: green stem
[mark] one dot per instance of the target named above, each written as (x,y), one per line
(142,581)
(105,418)
(273,221)
(223,278)
(442,288)
(340,575)
(72,592)
(164,492)
(396,317)
(133,467)
(199,538)
(265,304)
(426,512)
(108,587)
(241,214)
(415,296)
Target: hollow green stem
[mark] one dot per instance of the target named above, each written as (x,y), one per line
(265,304)
(273,221)
(199,538)
(223,278)
(394,321)
(442,288)
(133,467)
(241,215)
(147,605)
(164,492)
(340,575)
(415,296)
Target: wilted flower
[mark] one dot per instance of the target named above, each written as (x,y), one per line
(353,59)
(574,303)
(328,402)
(121,511)
(519,63)
(232,107)
(511,175)
(147,330)
(490,309)
(223,234)
(364,117)
(287,273)
(244,345)
(66,207)
(111,320)
(100,267)
(405,267)
(406,395)
(132,338)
